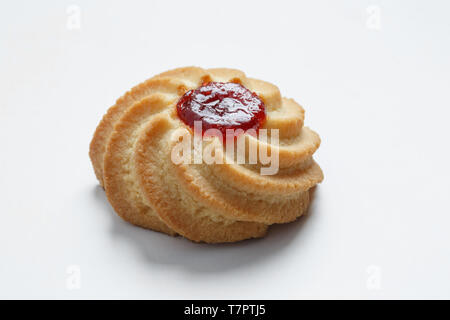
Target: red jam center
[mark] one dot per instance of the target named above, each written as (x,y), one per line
(222,106)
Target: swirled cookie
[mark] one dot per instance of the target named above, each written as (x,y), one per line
(148,154)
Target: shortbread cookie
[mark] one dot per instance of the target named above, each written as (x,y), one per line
(223,201)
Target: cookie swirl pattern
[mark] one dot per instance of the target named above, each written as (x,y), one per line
(131,156)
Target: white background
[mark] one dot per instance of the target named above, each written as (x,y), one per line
(378,94)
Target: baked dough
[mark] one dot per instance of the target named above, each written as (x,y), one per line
(131,155)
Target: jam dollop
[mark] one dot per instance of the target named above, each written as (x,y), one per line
(222,106)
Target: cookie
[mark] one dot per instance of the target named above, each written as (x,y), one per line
(227,200)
